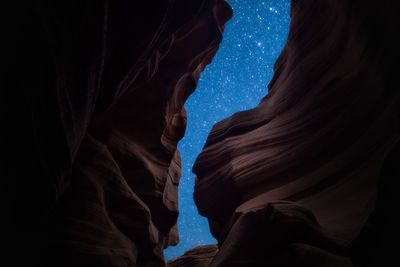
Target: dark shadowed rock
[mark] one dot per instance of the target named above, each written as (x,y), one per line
(101,116)
(321,135)
(279,234)
(304,179)
(200,256)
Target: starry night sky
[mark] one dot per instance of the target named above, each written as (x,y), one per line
(236,80)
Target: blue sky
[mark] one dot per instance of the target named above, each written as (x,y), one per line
(236,80)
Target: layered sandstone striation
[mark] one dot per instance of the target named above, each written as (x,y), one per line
(105,109)
(318,140)
(304,179)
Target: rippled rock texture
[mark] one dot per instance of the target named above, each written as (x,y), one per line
(319,140)
(304,179)
(101,117)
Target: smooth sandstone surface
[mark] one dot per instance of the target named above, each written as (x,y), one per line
(307,178)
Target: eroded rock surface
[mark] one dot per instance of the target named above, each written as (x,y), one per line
(200,256)
(106,111)
(319,138)
(304,179)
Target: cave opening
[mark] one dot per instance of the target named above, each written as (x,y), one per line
(236,80)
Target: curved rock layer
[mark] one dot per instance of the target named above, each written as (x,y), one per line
(103,113)
(320,137)
(200,256)
(98,110)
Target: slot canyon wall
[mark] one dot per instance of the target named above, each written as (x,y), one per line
(96,169)
(307,178)
(301,175)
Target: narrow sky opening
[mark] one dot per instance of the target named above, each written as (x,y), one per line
(236,80)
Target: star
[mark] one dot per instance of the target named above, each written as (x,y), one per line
(235,80)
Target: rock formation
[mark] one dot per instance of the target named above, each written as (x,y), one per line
(103,113)
(319,139)
(98,87)
(200,256)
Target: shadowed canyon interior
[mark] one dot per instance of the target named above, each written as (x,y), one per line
(307,178)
